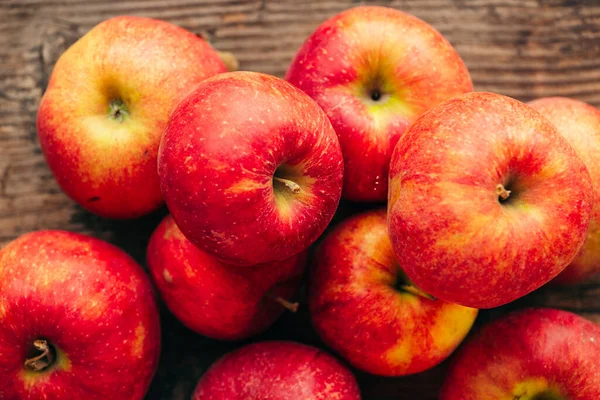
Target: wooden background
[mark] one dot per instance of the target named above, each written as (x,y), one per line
(521,48)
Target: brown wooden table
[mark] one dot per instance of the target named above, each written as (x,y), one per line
(521,48)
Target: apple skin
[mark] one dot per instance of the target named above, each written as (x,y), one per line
(108,165)
(449,229)
(92,302)
(579,123)
(210,297)
(548,353)
(366,49)
(277,370)
(358,309)
(218,159)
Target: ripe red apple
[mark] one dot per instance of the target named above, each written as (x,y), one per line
(374,70)
(579,123)
(277,370)
(250,168)
(487,201)
(364,307)
(78,320)
(213,298)
(536,354)
(107,104)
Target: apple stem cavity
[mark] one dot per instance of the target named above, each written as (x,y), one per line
(117,110)
(42,360)
(293,186)
(412,289)
(293,307)
(375,95)
(502,193)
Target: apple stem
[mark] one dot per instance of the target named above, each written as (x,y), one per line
(418,292)
(38,363)
(293,307)
(502,192)
(293,186)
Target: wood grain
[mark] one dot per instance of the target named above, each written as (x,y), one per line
(521,48)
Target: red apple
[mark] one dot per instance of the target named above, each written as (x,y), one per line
(364,307)
(536,354)
(213,298)
(250,168)
(374,70)
(579,123)
(79,320)
(487,201)
(277,371)
(107,104)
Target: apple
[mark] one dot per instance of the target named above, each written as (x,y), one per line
(579,123)
(536,354)
(277,370)
(374,70)
(363,306)
(250,168)
(213,298)
(107,104)
(487,201)
(79,320)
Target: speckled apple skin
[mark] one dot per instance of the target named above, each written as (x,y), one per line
(213,298)
(357,310)
(450,232)
(277,370)
(579,123)
(526,353)
(90,300)
(106,166)
(218,157)
(415,67)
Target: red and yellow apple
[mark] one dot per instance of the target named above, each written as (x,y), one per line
(106,107)
(213,298)
(487,201)
(364,307)
(579,123)
(78,320)
(250,168)
(277,370)
(536,354)
(374,70)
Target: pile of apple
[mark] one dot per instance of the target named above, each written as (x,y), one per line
(487,200)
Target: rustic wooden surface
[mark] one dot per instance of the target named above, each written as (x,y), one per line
(521,48)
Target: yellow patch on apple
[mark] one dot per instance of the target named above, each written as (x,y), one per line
(137,346)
